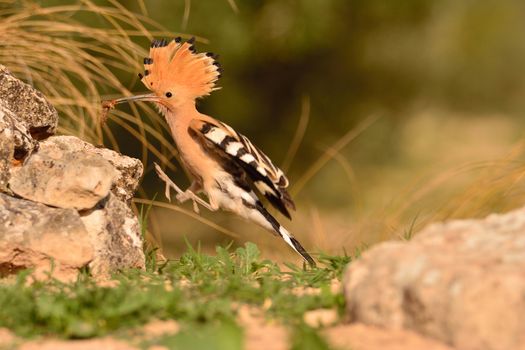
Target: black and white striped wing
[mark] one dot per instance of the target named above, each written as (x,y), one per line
(267,178)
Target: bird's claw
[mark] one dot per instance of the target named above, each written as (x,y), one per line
(167,192)
(182,196)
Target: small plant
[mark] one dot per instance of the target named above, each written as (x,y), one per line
(150,250)
(308,338)
(226,335)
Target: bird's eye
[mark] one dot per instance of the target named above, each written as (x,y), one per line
(168,94)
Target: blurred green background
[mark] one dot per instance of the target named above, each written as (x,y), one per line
(439,84)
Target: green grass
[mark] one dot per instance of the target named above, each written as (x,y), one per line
(225,335)
(199,291)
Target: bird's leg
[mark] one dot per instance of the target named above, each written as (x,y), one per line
(191,193)
(183,196)
(162,175)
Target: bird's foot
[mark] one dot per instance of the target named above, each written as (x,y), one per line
(188,194)
(182,196)
(169,184)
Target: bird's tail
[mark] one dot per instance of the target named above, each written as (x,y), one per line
(285,235)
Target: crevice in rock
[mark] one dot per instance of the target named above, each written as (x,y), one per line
(414,309)
(7,268)
(40,132)
(20,154)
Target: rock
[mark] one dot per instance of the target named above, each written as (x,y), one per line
(362,337)
(107,343)
(38,116)
(128,170)
(91,189)
(115,234)
(15,144)
(7,149)
(106,239)
(69,173)
(59,176)
(259,332)
(321,317)
(25,116)
(6,338)
(461,282)
(33,235)
(156,328)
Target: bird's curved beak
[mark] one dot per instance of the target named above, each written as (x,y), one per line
(144,97)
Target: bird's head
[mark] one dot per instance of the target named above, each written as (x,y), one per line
(176,74)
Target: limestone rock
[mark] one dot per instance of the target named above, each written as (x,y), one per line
(33,235)
(39,117)
(90,187)
(16,144)
(128,170)
(461,282)
(25,116)
(7,149)
(67,172)
(358,336)
(58,176)
(320,317)
(115,234)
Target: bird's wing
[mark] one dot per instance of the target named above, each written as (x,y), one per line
(266,177)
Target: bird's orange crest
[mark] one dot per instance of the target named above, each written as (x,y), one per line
(176,66)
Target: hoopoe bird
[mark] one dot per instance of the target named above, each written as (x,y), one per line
(223,164)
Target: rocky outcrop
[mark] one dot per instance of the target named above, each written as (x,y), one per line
(460,282)
(65,202)
(25,117)
(127,171)
(7,148)
(33,235)
(58,176)
(115,234)
(36,114)
(358,336)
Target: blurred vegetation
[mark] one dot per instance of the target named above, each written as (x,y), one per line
(437,84)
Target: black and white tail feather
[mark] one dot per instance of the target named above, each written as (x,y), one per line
(249,168)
